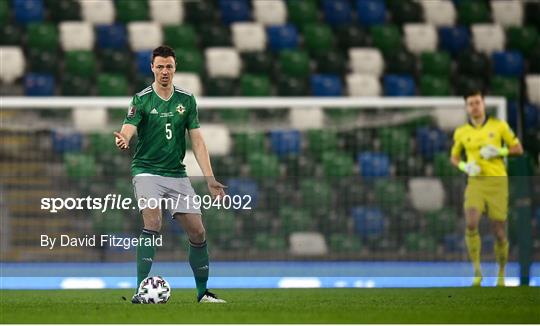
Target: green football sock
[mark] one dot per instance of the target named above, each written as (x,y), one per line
(198,260)
(145,254)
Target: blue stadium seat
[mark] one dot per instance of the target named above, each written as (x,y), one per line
(63,141)
(368,221)
(507,63)
(454,243)
(282,37)
(285,142)
(399,85)
(337,12)
(111,36)
(374,164)
(326,85)
(371,12)
(143,59)
(243,187)
(39,84)
(234,11)
(27,11)
(430,141)
(532,116)
(454,39)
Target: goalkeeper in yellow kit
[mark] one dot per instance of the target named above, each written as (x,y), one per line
(486,141)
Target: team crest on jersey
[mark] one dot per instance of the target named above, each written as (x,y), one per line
(131,111)
(181,109)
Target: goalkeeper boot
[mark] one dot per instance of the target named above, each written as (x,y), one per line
(477,280)
(137,299)
(210,298)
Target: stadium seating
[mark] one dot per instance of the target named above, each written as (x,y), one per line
(153,35)
(363,85)
(508,12)
(15,69)
(222,62)
(366,61)
(439,12)
(270,12)
(248,37)
(420,38)
(76,36)
(167,12)
(98,12)
(28,11)
(189,81)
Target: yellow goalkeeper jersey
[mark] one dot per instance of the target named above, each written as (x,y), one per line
(472,138)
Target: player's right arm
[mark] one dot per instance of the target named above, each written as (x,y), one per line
(457,149)
(129,128)
(123,137)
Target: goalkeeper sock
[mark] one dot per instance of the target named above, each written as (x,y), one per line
(501,254)
(198,260)
(145,254)
(474,246)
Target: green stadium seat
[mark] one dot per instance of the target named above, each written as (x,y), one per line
(4,12)
(76,86)
(316,196)
(10,35)
(235,116)
(214,35)
(257,62)
(409,166)
(417,242)
(390,193)
(129,11)
(434,86)
(302,12)
(43,61)
(246,143)
(441,222)
(474,64)
(351,36)
(321,141)
(442,166)
(112,85)
(189,60)
(344,243)
(405,11)
(115,61)
(180,36)
(142,81)
(80,63)
(292,86)
(226,166)
(79,165)
(400,61)
(267,242)
(330,62)
(255,85)
(395,142)
(436,64)
(101,144)
(42,36)
(465,84)
(337,164)
(63,10)
(294,220)
(122,186)
(318,38)
(294,63)
(523,39)
(299,166)
(472,12)
(201,12)
(505,86)
(263,165)
(220,86)
(223,226)
(358,140)
(386,38)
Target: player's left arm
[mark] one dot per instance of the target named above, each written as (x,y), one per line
(513,145)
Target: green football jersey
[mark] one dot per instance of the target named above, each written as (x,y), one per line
(161,129)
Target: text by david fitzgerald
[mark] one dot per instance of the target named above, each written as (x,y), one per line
(104,240)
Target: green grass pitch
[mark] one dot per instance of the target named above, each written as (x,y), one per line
(434,305)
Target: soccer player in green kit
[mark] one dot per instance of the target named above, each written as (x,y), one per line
(161,114)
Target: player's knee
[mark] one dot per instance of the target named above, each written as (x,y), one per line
(153,224)
(198,234)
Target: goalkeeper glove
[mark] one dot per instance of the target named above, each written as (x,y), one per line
(489,151)
(471,169)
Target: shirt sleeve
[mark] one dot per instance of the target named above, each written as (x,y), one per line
(193,118)
(135,112)
(457,147)
(508,135)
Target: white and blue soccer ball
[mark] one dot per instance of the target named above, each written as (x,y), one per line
(154,289)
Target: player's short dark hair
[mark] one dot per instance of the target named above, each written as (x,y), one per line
(473,93)
(163,51)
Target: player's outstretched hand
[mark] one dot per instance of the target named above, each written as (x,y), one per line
(216,189)
(472,169)
(489,151)
(121,141)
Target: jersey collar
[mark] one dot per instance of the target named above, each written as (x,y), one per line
(486,118)
(172,93)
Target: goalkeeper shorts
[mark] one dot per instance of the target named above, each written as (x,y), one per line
(489,193)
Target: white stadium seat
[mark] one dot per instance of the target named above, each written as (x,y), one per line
(488,38)
(420,38)
(248,36)
(76,35)
(89,118)
(533,88)
(144,35)
(167,12)
(223,62)
(363,85)
(12,62)
(270,12)
(449,118)
(427,194)
(217,138)
(304,118)
(98,12)
(188,81)
(307,243)
(366,61)
(439,12)
(507,12)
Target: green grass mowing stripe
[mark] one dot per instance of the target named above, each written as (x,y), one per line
(434,305)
